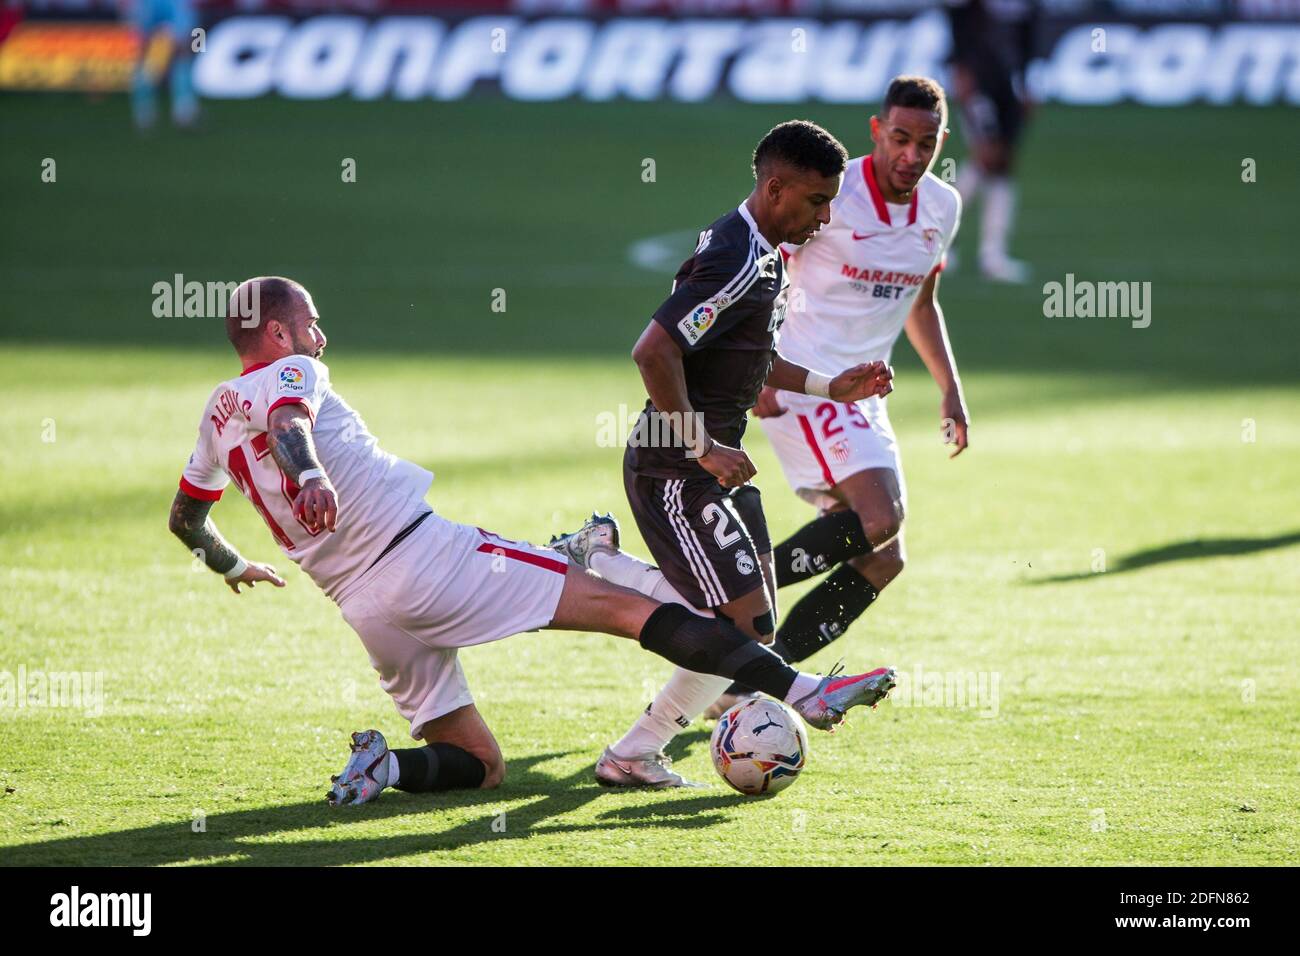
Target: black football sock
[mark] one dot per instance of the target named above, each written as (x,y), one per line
(779,649)
(818,546)
(710,646)
(437,767)
(821,616)
(824,613)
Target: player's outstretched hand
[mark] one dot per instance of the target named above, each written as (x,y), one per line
(253,573)
(730,466)
(767,406)
(317,506)
(862,381)
(956,422)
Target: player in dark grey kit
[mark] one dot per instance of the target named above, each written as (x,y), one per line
(704,357)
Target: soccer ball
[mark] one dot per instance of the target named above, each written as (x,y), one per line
(759,746)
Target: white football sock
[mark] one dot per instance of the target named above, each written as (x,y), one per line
(687,693)
(804,684)
(630,572)
(995,223)
(393,772)
(680,701)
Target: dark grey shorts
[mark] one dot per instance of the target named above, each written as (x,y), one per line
(706,539)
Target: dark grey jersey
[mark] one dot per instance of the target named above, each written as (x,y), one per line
(724,312)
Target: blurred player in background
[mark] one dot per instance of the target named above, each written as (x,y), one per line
(992,42)
(177,20)
(414,586)
(704,357)
(868,276)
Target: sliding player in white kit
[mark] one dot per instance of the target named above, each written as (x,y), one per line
(413,585)
(868,276)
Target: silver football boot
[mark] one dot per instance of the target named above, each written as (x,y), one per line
(825,707)
(366,774)
(648,770)
(600,533)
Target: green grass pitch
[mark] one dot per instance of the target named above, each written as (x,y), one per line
(1145,714)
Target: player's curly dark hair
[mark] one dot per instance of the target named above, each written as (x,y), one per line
(802,144)
(915,92)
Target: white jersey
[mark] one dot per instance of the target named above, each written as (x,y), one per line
(852,284)
(378,493)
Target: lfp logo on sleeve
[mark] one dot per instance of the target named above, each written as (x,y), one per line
(291,379)
(697,323)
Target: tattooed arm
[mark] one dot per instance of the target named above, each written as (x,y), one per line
(289,437)
(189,521)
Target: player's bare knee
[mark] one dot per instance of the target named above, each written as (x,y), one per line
(882,527)
(494,775)
(891,565)
(494,765)
(880,567)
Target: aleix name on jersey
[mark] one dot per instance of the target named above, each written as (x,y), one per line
(229,404)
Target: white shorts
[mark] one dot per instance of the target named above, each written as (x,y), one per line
(447,586)
(820,443)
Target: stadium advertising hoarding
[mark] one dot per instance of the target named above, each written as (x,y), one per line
(92,56)
(1247,52)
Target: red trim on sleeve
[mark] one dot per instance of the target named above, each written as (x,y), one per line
(940,267)
(289,400)
(203,494)
(877,199)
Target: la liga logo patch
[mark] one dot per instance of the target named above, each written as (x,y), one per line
(698,322)
(291,379)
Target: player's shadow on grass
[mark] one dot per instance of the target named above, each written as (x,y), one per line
(1183,551)
(264,836)
(681,745)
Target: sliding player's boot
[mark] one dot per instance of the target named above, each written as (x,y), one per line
(366,774)
(600,533)
(648,770)
(825,707)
